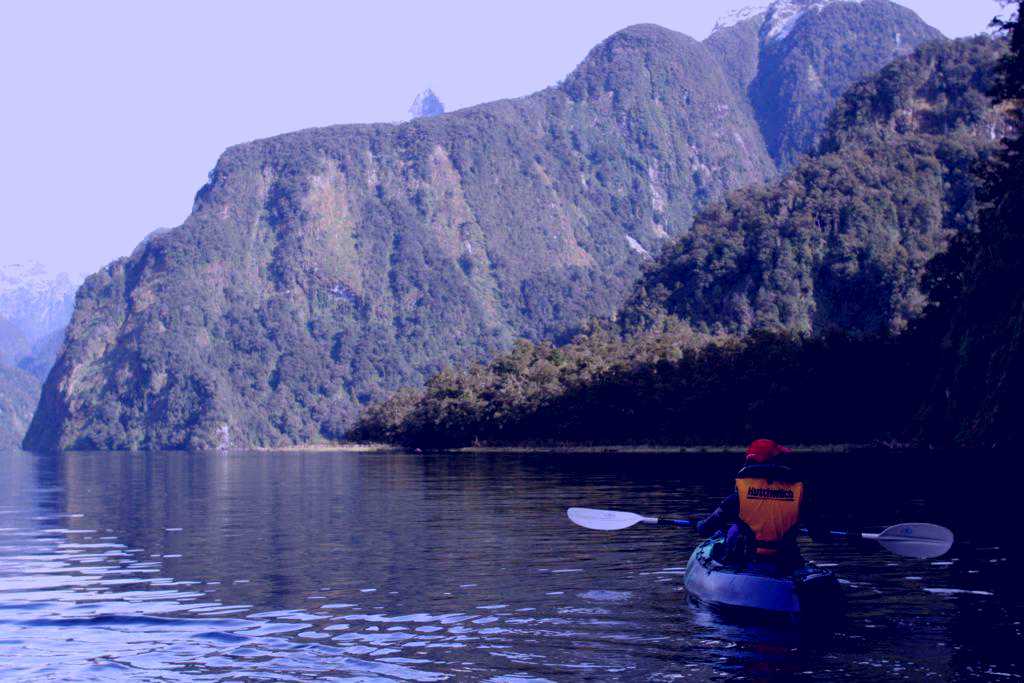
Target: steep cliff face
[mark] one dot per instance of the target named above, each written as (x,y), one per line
(322,269)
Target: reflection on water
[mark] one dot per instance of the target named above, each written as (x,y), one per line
(412,567)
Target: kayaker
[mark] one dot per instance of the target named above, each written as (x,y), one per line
(762,517)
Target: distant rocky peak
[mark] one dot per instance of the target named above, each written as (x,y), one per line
(426,104)
(783,16)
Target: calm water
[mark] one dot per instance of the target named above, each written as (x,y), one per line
(423,568)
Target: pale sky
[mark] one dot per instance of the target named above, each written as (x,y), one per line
(113,113)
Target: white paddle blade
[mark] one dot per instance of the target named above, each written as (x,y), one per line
(921,541)
(605,520)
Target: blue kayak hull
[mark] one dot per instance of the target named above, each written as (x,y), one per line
(761,587)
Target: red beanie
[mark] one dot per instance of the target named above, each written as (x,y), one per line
(763,450)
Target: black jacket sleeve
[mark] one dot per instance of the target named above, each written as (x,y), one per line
(727,512)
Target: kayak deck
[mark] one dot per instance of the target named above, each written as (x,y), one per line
(760,586)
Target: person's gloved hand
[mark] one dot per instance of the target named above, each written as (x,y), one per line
(699,525)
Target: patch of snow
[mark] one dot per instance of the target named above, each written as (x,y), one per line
(784,15)
(739,15)
(637,247)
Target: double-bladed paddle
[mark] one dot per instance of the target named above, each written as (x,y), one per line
(918,540)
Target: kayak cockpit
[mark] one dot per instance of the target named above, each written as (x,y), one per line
(798,594)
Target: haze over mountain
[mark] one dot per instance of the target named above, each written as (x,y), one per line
(34,301)
(35,307)
(322,269)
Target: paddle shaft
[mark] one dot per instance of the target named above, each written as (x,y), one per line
(663,520)
(918,540)
(846,534)
(677,522)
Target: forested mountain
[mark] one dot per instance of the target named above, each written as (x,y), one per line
(838,247)
(841,242)
(321,270)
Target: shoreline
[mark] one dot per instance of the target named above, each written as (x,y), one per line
(330,447)
(577,449)
(646,449)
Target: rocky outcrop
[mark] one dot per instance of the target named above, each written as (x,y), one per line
(426,104)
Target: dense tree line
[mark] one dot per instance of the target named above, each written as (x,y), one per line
(665,388)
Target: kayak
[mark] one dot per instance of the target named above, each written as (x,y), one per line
(761,587)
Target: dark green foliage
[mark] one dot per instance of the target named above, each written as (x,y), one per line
(661,389)
(842,241)
(738,48)
(19,393)
(978,310)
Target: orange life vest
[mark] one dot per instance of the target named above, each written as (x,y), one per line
(769,506)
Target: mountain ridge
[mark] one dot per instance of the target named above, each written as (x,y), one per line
(322,269)
(723,338)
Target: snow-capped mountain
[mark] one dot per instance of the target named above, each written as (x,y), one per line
(426,104)
(783,15)
(739,15)
(780,16)
(34,300)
